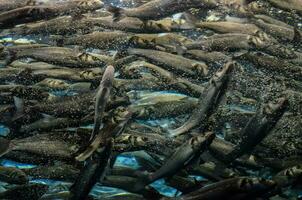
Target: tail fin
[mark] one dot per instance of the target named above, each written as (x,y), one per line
(117,12)
(4,146)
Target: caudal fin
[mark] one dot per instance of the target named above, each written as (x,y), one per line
(117,12)
(4,146)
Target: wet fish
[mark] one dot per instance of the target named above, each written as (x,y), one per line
(212,93)
(61,55)
(163,109)
(258,127)
(288,5)
(172,62)
(157,9)
(280,32)
(6,5)
(102,96)
(223,42)
(179,84)
(229,27)
(208,57)
(12,175)
(28,191)
(92,171)
(273,64)
(111,130)
(235,188)
(33,13)
(290,176)
(184,155)
(126,183)
(57,172)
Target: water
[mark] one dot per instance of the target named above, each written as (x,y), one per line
(173,87)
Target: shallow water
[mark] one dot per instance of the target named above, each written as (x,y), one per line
(178,72)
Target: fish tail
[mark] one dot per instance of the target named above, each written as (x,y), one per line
(117,12)
(5,146)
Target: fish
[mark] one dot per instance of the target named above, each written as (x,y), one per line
(93,171)
(234,188)
(63,172)
(289,176)
(172,62)
(28,191)
(208,57)
(47,145)
(13,175)
(111,130)
(229,27)
(158,9)
(38,12)
(102,96)
(273,64)
(258,127)
(179,84)
(61,56)
(223,42)
(288,5)
(10,5)
(184,155)
(280,32)
(126,183)
(207,100)
(163,109)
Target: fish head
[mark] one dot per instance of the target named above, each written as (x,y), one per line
(273,110)
(108,77)
(221,76)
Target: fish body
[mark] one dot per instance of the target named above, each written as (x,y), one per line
(214,89)
(157,9)
(102,97)
(288,5)
(27,191)
(12,175)
(63,56)
(33,13)
(258,127)
(232,189)
(229,27)
(180,158)
(172,62)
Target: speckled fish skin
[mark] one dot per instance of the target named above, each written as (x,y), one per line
(32,13)
(179,159)
(102,97)
(183,66)
(13,175)
(231,189)
(157,9)
(215,88)
(63,56)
